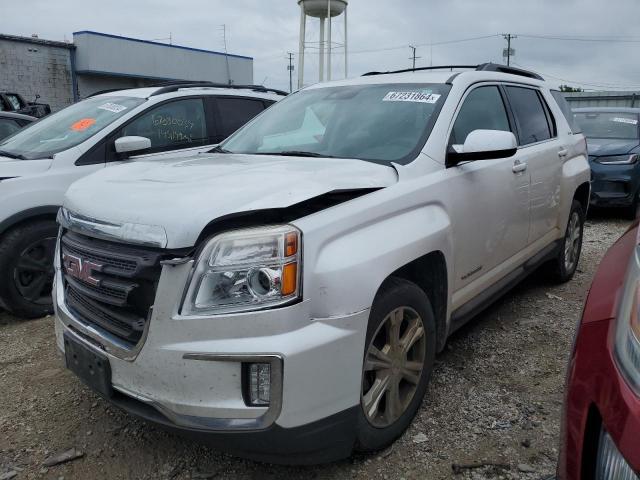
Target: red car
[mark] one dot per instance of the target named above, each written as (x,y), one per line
(601,424)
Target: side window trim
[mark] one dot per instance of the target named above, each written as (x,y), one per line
(470,89)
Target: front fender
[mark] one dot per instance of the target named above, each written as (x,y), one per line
(345,262)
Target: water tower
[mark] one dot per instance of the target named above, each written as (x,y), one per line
(323,10)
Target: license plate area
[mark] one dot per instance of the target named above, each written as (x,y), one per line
(91,367)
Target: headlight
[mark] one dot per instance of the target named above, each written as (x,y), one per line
(617,159)
(245,270)
(627,340)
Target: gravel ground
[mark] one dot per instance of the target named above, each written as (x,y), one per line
(495,399)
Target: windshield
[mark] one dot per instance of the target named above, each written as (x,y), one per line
(67,128)
(608,125)
(380,123)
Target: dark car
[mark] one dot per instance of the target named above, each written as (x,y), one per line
(14,102)
(12,122)
(613,136)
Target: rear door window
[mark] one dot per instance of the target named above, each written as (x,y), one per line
(235,112)
(172,125)
(566,111)
(483,109)
(534,123)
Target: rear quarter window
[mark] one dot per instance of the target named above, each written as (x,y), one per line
(566,111)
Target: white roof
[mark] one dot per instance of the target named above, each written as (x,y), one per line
(146,92)
(432,76)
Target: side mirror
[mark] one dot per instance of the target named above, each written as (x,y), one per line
(483,145)
(132,144)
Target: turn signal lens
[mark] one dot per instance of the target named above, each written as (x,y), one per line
(291,244)
(289,278)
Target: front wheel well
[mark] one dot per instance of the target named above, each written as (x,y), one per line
(28,216)
(429,273)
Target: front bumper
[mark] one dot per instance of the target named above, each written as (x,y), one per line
(598,399)
(186,374)
(614,185)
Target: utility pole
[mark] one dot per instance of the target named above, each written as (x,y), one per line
(290,68)
(508,52)
(413,57)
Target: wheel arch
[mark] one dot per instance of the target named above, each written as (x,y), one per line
(45,212)
(583,194)
(429,273)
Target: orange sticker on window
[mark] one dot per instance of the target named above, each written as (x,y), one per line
(83,124)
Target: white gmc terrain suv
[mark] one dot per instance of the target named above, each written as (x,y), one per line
(38,163)
(284,297)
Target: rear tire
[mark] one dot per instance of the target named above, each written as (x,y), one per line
(564,266)
(399,356)
(26,268)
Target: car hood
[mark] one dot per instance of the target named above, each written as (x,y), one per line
(601,147)
(183,196)
(10,167)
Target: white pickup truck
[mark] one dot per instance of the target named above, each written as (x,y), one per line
(284,297)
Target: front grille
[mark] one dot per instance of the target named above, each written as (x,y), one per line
(108,285)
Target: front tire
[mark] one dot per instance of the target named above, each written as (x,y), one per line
(399,356)
(26,268)
(565,264)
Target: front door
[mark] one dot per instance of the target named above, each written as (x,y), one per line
(490,199)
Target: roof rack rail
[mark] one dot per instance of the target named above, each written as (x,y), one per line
(169,87)
(418,69)
(483,67)
(496,67)
(100,92)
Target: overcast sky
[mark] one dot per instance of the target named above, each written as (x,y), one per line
(267,29)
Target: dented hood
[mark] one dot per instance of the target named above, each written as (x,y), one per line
(184,196)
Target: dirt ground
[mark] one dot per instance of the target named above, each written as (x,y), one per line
(495,398)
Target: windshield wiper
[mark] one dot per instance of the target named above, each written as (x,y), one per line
(298,153)
(218,149)
(12,155)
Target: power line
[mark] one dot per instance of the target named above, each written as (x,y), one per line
(600,85)
(584,39)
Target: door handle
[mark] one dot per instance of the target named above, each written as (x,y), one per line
(563,152)
(519,166)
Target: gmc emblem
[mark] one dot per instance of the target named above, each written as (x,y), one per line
(81,269)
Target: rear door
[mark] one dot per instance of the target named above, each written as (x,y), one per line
(233,112)
(542,152)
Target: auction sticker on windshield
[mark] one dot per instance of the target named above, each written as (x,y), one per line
(83,124)
(112,107)
(419,97)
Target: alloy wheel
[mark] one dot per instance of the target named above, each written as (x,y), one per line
(33,271)
(393,366)
(572,242)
